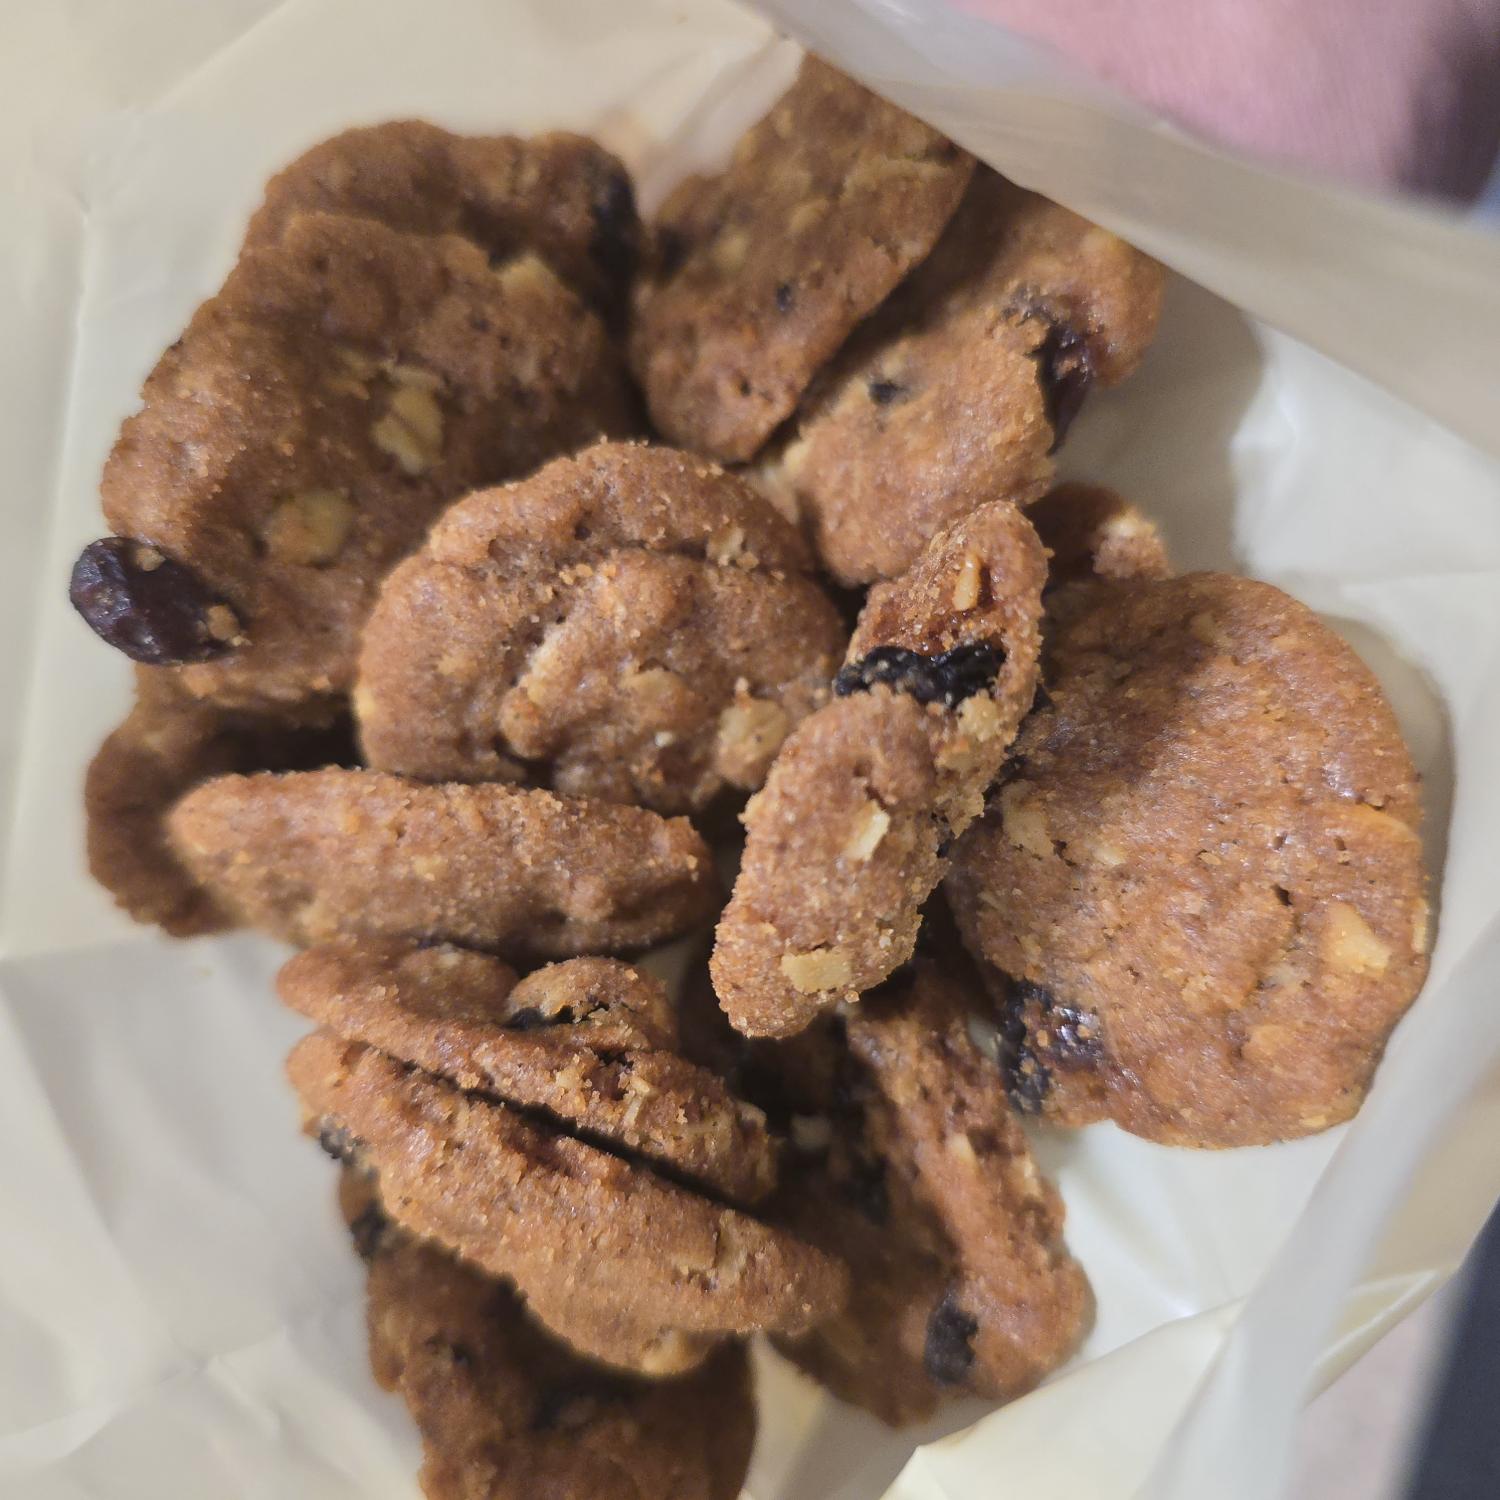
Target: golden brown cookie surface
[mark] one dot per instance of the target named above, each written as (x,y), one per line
(960,386)
(633,624)
(591,1041)
(1202,883)
(849,835)
(508,1413)
(561,1217)
(345,383)
(168,743)
(764,270)
(927,1186)
(561,196)
(314,855)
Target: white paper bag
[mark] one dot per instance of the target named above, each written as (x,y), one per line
(180,1315)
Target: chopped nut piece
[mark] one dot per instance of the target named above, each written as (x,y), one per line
(820,969)
(969,582)
(1349,944)
(870,827)
(310,528)
(411,430)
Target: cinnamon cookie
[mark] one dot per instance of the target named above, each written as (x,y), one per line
(1201,888)
(294,444)
(960,386)
(633,624)
(763,271)
(168,743)
(850,834)
(922,1179)
(313,855)
(561,196)
(574,1224)
(506,1412)
(592,1042)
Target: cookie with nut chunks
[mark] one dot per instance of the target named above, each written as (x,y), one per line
(761,272)
(345,383)
(1200,890)
(632,623)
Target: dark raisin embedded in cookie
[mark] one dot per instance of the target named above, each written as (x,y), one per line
(152,608)
(1202,898)
(948,1350)
(848,838)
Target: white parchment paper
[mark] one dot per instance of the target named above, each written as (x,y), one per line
(179,1312)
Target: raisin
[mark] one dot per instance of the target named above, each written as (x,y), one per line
(949,677)
(337,1142)
(614,245)
(367,1229)
(141,602)
(1066,371)
(948,1351)
(1043,1035)
(530,1019)
(883,392)
(785,297)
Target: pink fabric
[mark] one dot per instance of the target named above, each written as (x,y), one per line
(1381,92)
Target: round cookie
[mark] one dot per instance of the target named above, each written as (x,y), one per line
(508,1413)
(166,744)
(313,855)
(960,386)
(343,386)
(564,1219)
(559,195)
(1201,887)
(632,624)
(850,834)
(591,1042)
(763,271)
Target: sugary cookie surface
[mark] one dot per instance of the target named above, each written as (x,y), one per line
(762,272)
(1201,886)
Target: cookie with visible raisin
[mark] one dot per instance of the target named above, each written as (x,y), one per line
(762,272)
(585,1228)
(167,744)
(850,834)
(343,386)
(561,196)
(591,1042)
(313,855)
(1201,891)
(958,389)
(633,624)
(507,1412)
(922,1179)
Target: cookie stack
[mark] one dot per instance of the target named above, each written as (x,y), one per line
(482,551)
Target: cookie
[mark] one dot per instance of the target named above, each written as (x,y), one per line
(926,1184)
(313,855)
(591,1042)
(1093,532)
(572,1223)
(1201,889)
(958,389)
(343,386)
(561,196)
(632,624)
(763,271)
(167,744)
(850,834)
(508,1413)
